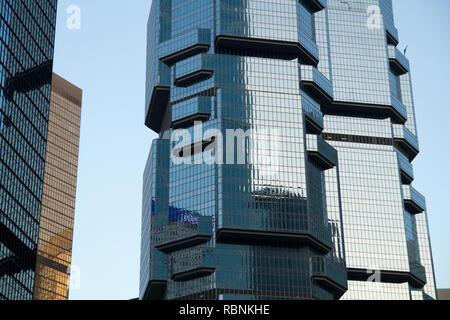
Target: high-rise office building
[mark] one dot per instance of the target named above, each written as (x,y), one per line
(282,169)
(371,123)
(39,137)
(54,251)
(27,32)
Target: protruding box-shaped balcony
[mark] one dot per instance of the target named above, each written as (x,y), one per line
(192,70)
(237,30)
(331,275)
(313,116)
(415,276)
(280,227)
(393,109)
(303,48)
(391,33)
(184,46)
(321,152)
(418,275)
(192,263)
(405,141)
(316,84)
(399,113)
(176,236)
(157,281)
(195,109)
(397,60)
(406,168)
(414,201)
(157,96)
(308,49)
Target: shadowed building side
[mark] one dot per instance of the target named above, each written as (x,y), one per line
(27,33)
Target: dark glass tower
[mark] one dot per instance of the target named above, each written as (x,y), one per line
(27,31)
(327,97)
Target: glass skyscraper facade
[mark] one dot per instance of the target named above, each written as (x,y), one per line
(321,205)
(27,31)
(54,254)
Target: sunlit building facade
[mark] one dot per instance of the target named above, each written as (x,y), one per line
(322,206)
(27,32)
(54,252)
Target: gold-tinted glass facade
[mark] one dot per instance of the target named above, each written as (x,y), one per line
(59,192)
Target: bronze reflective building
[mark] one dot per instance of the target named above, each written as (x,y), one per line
(58,194)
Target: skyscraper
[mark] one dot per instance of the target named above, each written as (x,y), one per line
(54,251)
(39,133)
(27,32)
(371,123)
(282,169)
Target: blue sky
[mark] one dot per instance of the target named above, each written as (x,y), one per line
(106,58)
